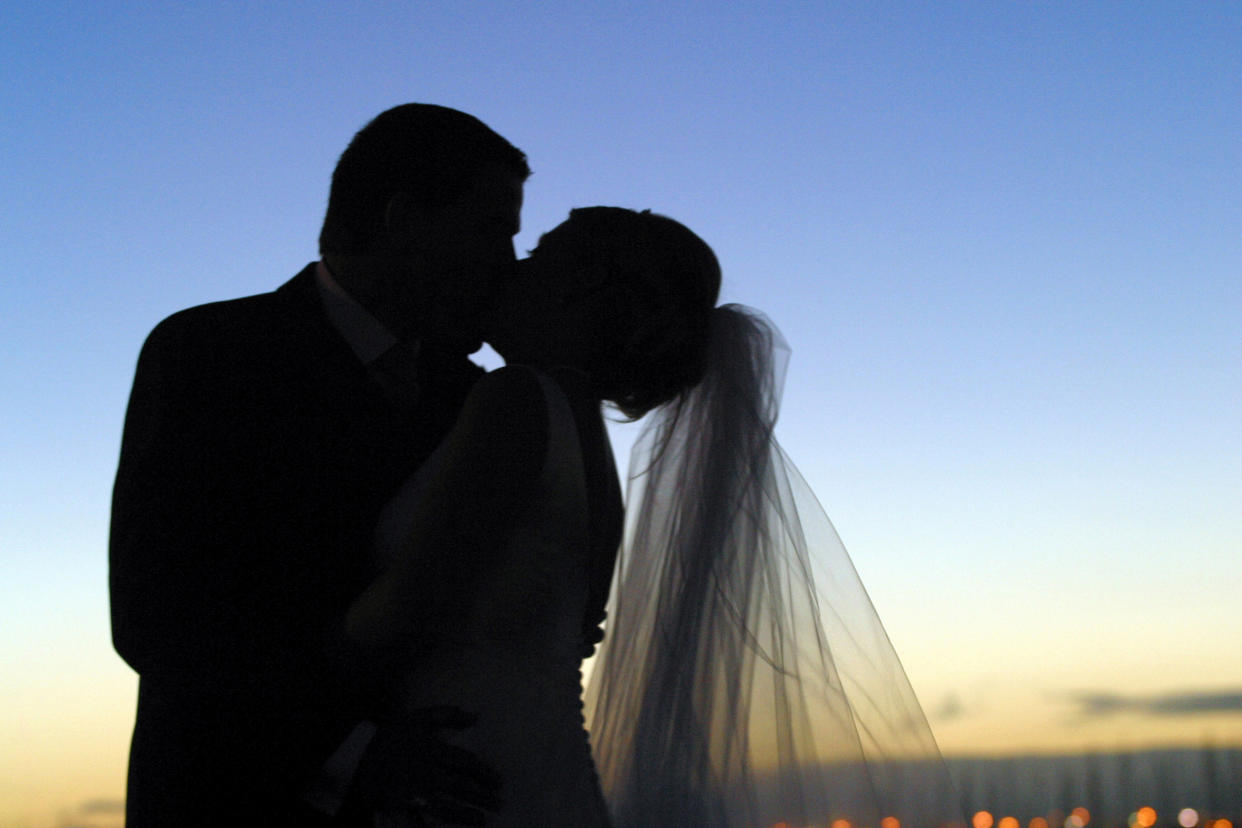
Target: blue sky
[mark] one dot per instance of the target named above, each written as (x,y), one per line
(1002,240)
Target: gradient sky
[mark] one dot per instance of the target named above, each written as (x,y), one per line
(1003,240)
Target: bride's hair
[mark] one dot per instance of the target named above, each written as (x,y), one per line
(662,282)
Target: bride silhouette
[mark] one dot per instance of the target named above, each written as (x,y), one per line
(744,678)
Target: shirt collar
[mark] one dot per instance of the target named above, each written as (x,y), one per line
(367,336)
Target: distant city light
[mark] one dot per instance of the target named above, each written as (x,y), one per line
(981,819)
(1188,818)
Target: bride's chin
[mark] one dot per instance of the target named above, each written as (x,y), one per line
(508,351)
(516,349)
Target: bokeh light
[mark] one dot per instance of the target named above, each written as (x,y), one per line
(1008,822)
(1145,817)
(841,823)
(890,822)
(981,819)
(1223,823)
(1038,822)
(1080,815)
(1188,818)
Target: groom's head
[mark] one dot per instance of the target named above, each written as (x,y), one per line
(421,216)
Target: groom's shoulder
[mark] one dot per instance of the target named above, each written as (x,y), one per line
(245,321)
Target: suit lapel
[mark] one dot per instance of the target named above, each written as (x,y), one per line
(386,437)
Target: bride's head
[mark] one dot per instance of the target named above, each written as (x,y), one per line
(625,297)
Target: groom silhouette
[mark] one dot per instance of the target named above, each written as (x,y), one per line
(262,439)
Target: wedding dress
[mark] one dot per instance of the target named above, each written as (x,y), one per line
(513,653)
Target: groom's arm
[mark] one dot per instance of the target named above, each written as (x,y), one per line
(204,587)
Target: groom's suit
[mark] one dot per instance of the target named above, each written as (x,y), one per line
(256,456)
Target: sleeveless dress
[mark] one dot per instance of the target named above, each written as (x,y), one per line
(513,655)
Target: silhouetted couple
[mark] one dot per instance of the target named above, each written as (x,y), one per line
(357,576)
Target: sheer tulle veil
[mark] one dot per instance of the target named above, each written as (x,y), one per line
(745,679)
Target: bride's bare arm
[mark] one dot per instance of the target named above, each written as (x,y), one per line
(492,454)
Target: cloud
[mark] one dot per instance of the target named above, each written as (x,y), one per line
(102,806)
(94,813)
(950,708)
(1169,704)
(960,703)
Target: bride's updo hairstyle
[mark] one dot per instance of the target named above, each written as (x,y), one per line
(659,286)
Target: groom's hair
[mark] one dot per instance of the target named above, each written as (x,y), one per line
(432,153)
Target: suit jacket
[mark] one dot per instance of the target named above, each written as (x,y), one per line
(256,456)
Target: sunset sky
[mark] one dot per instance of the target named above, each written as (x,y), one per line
(1004,242)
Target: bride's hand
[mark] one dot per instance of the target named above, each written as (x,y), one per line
(410,767)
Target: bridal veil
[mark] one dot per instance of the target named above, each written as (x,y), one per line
(745,679)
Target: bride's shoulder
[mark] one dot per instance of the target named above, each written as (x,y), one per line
(506,415)
(515,389)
